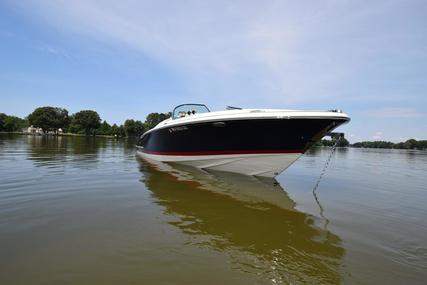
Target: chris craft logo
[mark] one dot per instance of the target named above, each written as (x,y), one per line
(178,129)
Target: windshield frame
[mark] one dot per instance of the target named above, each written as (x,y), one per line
(175,116)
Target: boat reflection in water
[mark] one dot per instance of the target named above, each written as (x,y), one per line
(253,221)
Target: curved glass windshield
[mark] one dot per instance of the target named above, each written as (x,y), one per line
(188,110)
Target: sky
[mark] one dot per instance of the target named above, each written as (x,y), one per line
(128,58)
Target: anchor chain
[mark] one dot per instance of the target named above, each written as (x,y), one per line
(328,160)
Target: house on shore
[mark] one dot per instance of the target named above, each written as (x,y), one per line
(31,130)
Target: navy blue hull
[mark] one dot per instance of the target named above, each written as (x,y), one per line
(238,136)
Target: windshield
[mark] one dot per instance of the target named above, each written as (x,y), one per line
(188,110)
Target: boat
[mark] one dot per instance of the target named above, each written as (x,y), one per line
(258,142)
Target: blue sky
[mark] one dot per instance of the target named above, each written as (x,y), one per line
(128,58)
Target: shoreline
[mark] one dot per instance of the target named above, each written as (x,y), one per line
(110,136)
(61,135)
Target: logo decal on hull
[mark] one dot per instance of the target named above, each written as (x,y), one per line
(178,129)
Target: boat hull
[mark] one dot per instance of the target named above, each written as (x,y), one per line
(261,147)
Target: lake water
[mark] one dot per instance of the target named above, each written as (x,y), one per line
(79,210)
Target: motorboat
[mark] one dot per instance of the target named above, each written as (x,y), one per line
(259,142)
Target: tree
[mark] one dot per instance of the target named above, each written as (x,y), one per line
(114,130)
(374,144)
(343,142)
(49,118)
(410,144)
(2,119)
(421,144)
(118,131)
(133,128)
(139,128)
(154,118)
(11,123)
(86,121)
(104,129)
(122,132)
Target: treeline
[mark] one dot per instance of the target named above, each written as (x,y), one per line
(409,144)
(11,123)
(88,122)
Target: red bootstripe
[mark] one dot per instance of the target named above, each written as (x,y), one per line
(220,152)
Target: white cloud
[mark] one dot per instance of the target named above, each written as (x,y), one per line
(53,50)
(377,136)
(397,112)
(277,51)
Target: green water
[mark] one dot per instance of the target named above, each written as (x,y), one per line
(79,210)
